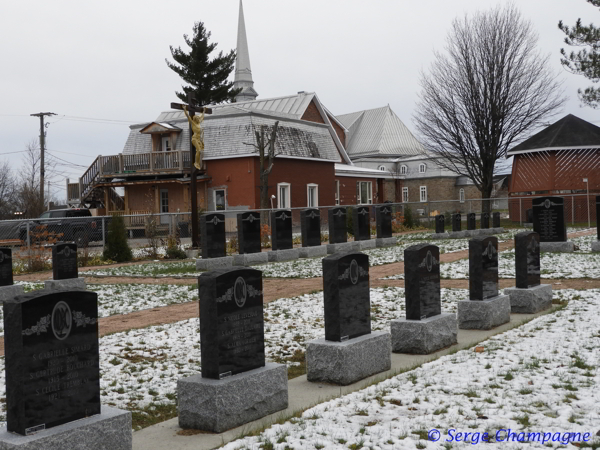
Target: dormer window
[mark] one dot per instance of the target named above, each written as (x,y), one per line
(403,169)
(382,168)
(422,168)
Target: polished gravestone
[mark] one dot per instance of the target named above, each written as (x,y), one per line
(440,223)
(485,220)
(496,220)
(236,385)
(53,374)
(281,230)
(425,329)
(471,221)
(310,224)
(485,309)
(8,290)
(456,222)
(65,272)
(337,225)
(550,223)
(529,216)
(383,220)
(362,223)
(248,224)
(596,245)
(349,352)
(529,296)
(212,235)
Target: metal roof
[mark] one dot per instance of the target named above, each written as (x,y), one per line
(378,132)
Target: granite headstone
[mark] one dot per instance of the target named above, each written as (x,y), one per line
(422,279)
(527,259)
(52,359)
(310,227)
(440,223)
(456,222)
(231,321)
(598,216)
(362,223)
(248,232)
(6,273)
(496,220)
(529,215)
(346,296)
(549,219)
(485,220)
(281,230)
(471,221)
(337,225)
(483,267)
(64,261)
(383,219)
(212,235)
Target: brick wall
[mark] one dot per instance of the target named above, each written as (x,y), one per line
(312,114)
(439,189)
(348,190)
(338,130)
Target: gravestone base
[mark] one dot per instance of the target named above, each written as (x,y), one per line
(596,246)
(459,234)
(386,242)
(531,300)
(312,252)
(192,253)
(440,236)
(214,263)
(250,259)
(485,232)
(110,430)
(349,361)
(498,230)
(343,247)
(9,292)
(426,336)
(283,255)
(70,284)
(483,314)
(219,405)
(557,247)
(367,244)
(528,224)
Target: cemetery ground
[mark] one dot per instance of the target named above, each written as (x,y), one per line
(542,375)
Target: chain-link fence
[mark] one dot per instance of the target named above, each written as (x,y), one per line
(92,231)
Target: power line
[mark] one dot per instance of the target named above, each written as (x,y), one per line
(68,162)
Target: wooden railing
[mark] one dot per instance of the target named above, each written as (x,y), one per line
(133,218)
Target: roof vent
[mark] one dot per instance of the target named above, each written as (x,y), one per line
(300,92)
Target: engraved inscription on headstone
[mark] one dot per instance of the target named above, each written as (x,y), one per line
(527,259)
(496,220)
(383,218)
(231,321)
(281,230)
(485,220)
(471,221)
(6,273)
(440,223)
(456,222)
(346,296)
(52,359)
(337,225)
(212,235)
(64,261)
(483,267)
(248,232)
(549,219)
(422,278)
(310,223)
(362,223)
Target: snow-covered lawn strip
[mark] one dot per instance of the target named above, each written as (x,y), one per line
(540,377)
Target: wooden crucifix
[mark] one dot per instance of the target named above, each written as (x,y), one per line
(196,153)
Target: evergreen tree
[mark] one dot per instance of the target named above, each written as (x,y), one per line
(207,77)
(585,62)
(117,248)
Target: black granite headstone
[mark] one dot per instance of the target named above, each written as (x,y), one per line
(248,224)
(598,216)
(346,295)
(383,219)
(471,221)
(52,359)
(6,274)
(310,226)
(440,223)
(456,222)
(337,225)
(212,235)
(549,219)
(362,223)
(281,230)
(483,267)
(527,259)
(422,281)
(485,220)
(496,220)
(529,215)
(232,337)
(64,261)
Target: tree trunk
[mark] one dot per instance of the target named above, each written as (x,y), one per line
(486,193)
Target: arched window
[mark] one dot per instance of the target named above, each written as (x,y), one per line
(422,168)
(461,195)
(382,168)
(403,169)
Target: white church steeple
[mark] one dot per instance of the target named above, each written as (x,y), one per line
(243,72)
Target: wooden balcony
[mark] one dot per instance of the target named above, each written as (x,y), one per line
(143,164)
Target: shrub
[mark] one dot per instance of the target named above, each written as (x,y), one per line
(117,248)
(175,252)
(408,218)
(265,236)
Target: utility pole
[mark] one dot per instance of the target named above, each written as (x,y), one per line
(42,146)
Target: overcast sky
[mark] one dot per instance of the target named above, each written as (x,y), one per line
(106,60)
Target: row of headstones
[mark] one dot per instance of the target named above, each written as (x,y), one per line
(440,222)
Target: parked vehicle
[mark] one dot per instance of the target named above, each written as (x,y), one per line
(72,224)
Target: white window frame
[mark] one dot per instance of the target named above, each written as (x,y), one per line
(316,188)
(337,192)
(369,193)
(461,195)
(382,168)
(403,169)
(422,168)
(224,198)
(405,194)
(423,192)
(288,195)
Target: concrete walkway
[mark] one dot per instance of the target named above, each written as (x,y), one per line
(303,395)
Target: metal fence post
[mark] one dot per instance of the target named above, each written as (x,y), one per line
(572,211)
(103,234)
(28,238)
(520,211)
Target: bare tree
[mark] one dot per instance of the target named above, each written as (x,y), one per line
(7,192)
(267,161)
(485,94)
